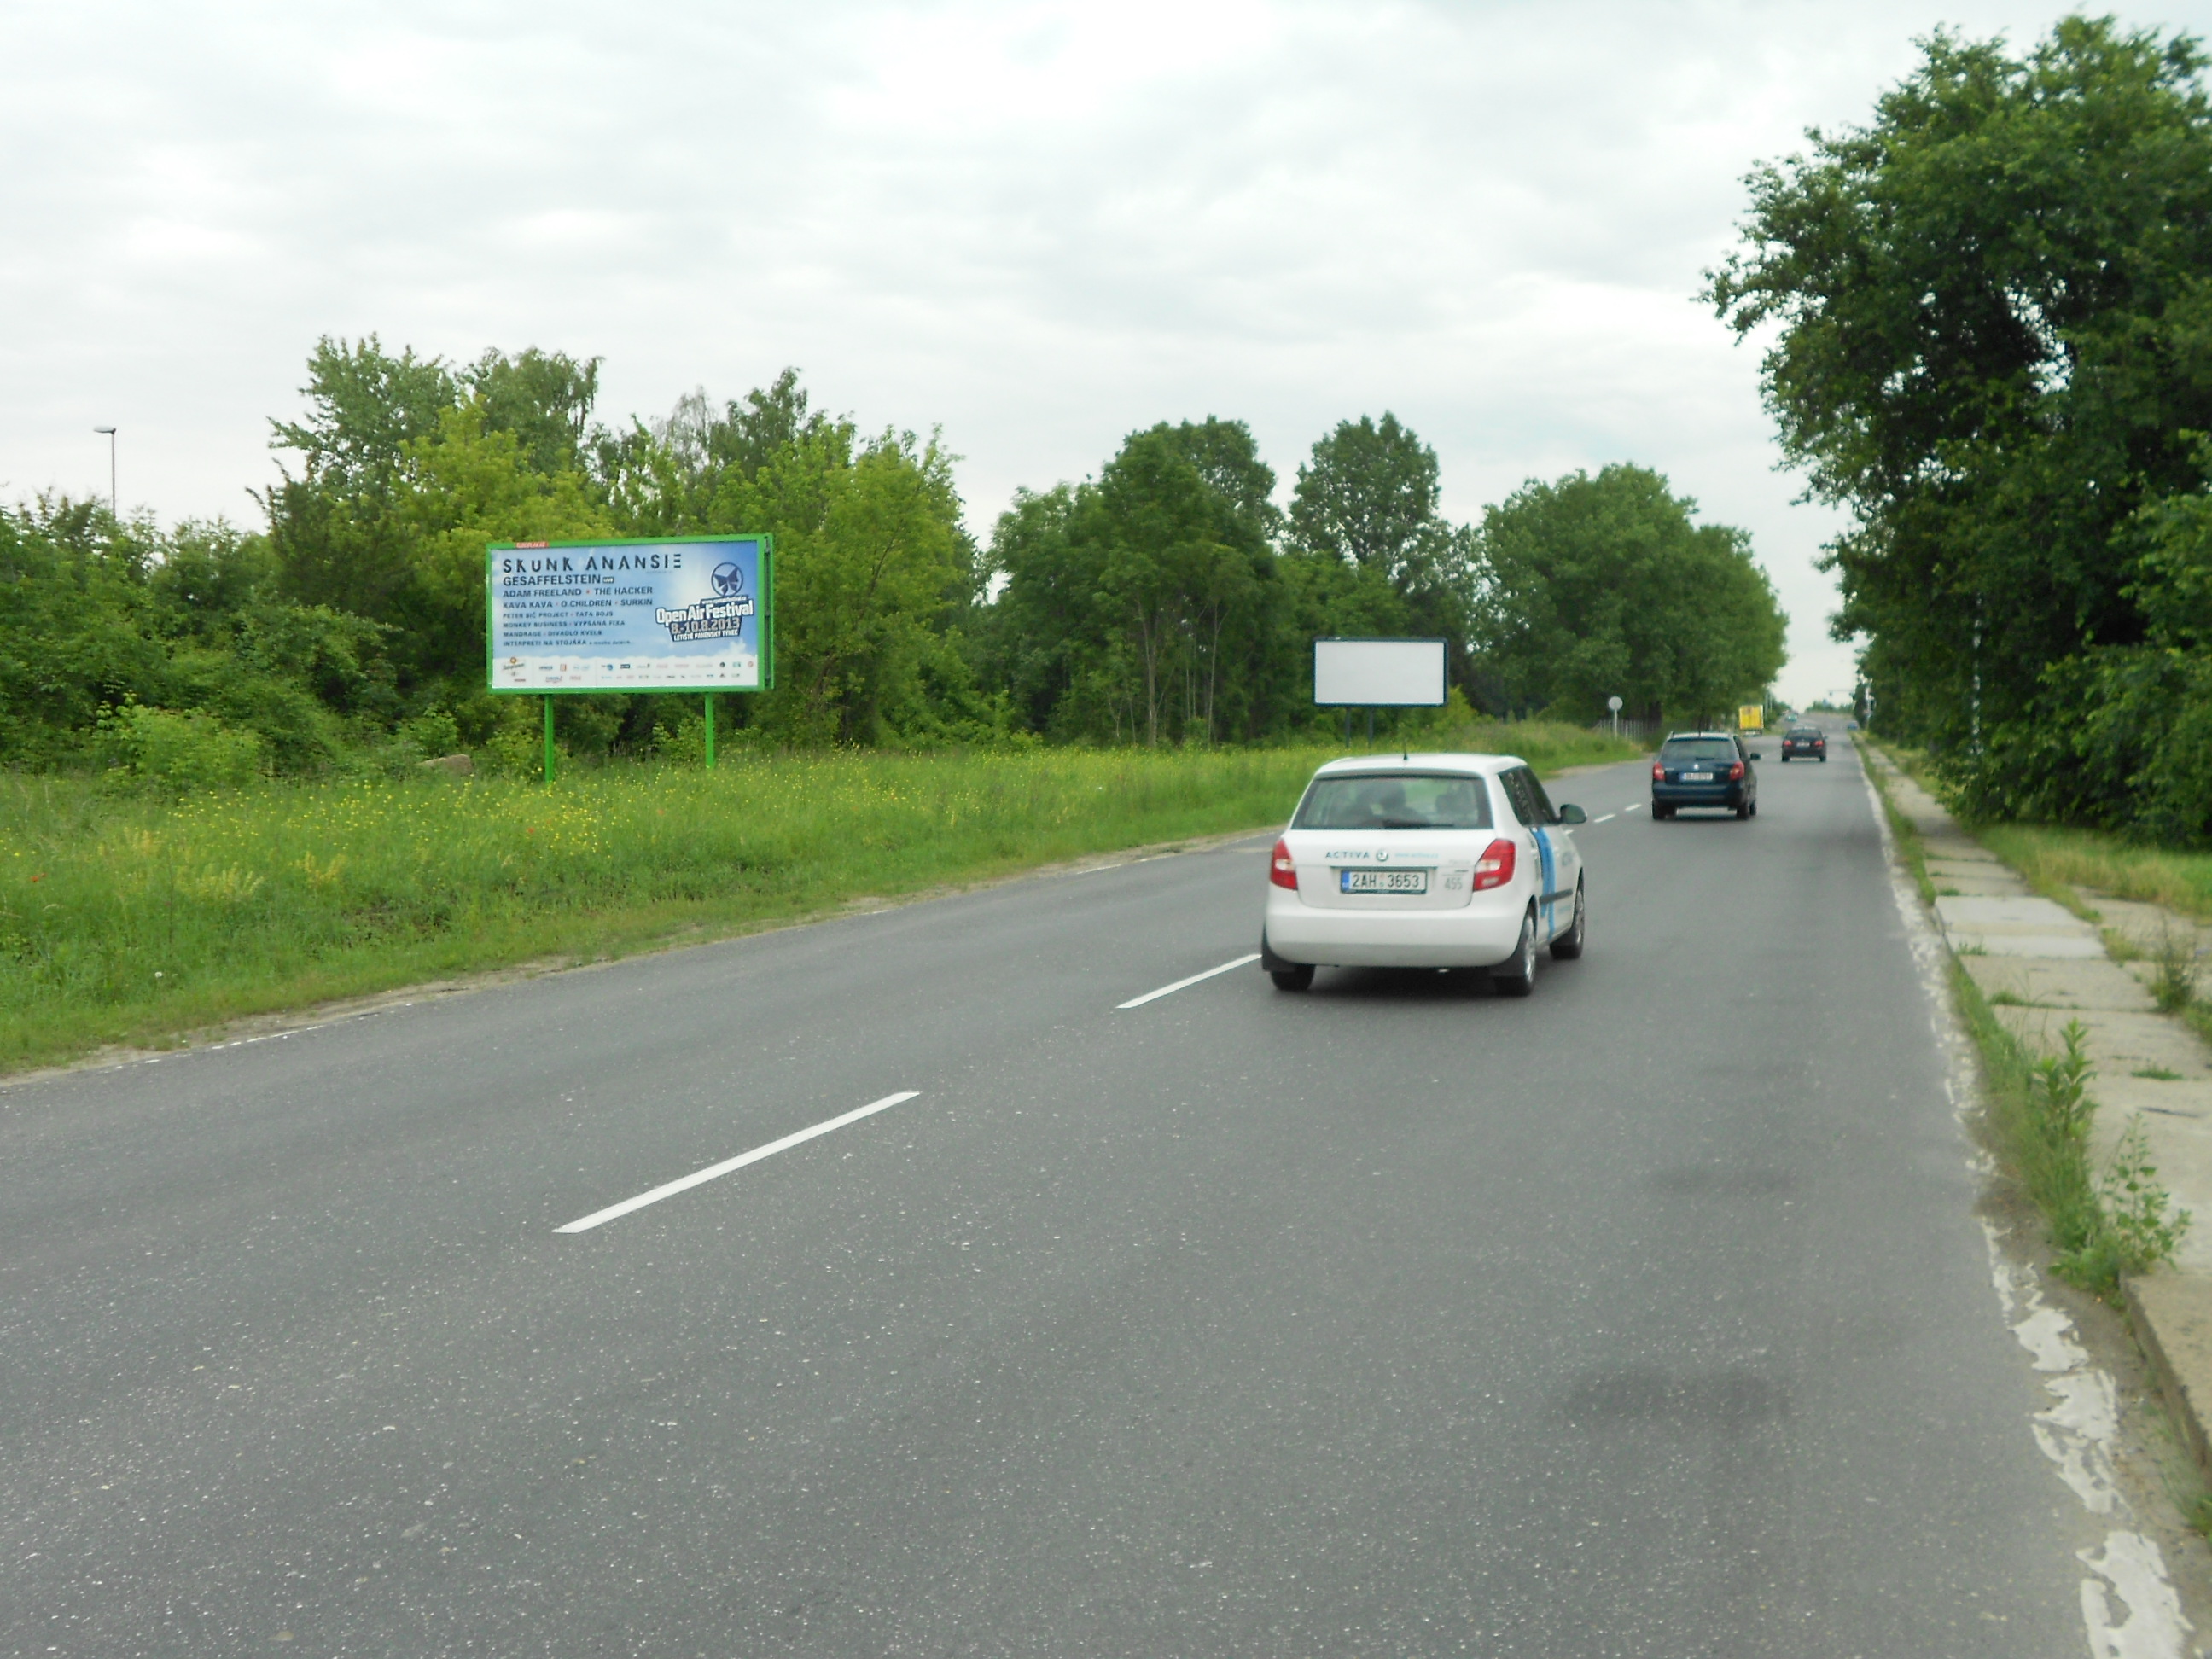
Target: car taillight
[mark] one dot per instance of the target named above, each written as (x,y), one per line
(1282,869)
(1495,867)
(1658,773)
(1735,771)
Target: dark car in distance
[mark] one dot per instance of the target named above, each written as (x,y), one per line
(1805,740)
(1704,770)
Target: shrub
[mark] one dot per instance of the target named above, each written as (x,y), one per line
(177,752)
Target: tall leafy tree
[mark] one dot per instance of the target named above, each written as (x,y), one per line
(1378,557)
(1989,313)
(1138,606)
(407,470)
(1368,494)
(1596,587)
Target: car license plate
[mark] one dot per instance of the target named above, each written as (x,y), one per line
(1383,881)
(1697,777)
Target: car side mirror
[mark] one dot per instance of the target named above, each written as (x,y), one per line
(1570,813)
(1756,754)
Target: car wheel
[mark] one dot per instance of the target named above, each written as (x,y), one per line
(1785,758)
(1754,806)
(1569,945)
(1299,978)
(1516,976)
(1660,814)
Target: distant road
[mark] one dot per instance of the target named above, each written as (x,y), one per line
(1647,1317)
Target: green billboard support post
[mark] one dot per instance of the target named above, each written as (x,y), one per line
(691,614)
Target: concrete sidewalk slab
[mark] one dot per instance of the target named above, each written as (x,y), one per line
(2044,946)
(1971,886)
(2172,1317)
(2016,913)
(2076,984)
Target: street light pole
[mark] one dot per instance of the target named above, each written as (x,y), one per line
(109,432)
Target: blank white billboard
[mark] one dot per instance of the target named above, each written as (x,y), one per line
(1379,673)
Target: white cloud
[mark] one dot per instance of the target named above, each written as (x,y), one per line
(1037,225)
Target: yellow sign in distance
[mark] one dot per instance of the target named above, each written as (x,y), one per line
(1752,717)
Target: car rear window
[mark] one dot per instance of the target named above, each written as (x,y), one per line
(1685,751)
(1805,731)
(1397,800)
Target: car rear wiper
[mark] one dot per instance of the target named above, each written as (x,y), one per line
(1407,823)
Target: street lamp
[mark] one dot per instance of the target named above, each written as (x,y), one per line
(108,432)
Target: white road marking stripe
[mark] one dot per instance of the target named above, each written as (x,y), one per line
(1164,990)
(699,1177)
(1631,808)
(1608,818)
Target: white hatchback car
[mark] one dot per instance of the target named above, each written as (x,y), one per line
(1424,862)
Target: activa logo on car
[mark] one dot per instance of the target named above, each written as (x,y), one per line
(1384,856)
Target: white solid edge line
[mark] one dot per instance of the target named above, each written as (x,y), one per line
(699,1177)
(1165,990)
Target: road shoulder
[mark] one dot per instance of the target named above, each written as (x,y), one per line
(2042,966)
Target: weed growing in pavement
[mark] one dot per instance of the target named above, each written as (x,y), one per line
(2174,987)
(2141,1227)
(2059,1085)
(2103,1224)
(2120,946)
(2157,1074)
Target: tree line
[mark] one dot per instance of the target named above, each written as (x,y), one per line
(1171,599)
(1989,318)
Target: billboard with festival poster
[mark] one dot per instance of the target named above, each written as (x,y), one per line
(687,613)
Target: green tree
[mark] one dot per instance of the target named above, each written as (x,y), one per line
(1366,500)
(1368,494)
(1138,608)
(1991,317)
(408,471)
(1596,586)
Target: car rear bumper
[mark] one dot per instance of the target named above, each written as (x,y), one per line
(1470,938)
(1698,794)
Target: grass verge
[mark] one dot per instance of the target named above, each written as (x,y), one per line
(2181,882)
(125,919)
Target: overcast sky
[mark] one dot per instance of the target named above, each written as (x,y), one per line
(1037,227)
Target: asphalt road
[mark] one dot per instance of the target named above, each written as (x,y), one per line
(1647,1317)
